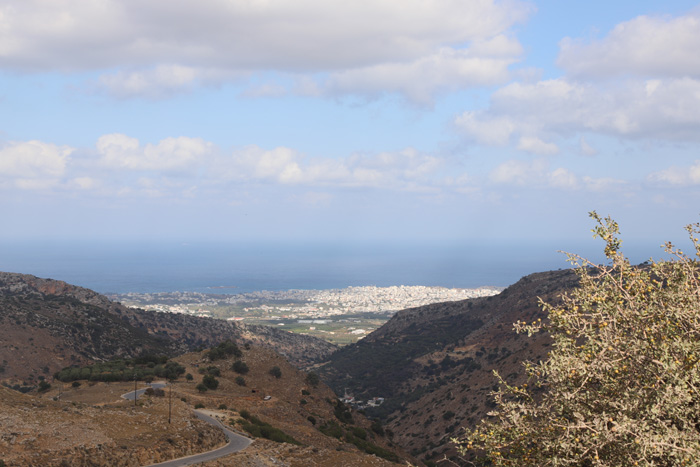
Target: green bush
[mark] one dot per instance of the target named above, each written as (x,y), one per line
(224,350)
(621,385)
(377,427)
(240,380)
(210,382)
(240,367)
(313,379)
(276,372)
(259,429)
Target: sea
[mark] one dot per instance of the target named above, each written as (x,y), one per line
(232,268)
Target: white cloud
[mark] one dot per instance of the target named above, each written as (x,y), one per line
(401,170)
(447,69)
(535,145)
(680,176)
(604,184)
(641,81)
(159,47)
(171,154)
(534,174)
(659,46)
(84,183)
(522,173)
(585,148)
(33,159)
(563,178)
(486,129)
(671,111)
(160,81)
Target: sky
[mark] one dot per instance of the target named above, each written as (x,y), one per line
(333,121)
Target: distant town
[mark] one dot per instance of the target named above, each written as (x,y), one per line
(338,315)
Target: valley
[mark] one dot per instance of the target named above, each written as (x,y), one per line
(340,316)
(408,387)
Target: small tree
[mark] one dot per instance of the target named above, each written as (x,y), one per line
(44,386)
(240,366)
(621,385)
(313,379)
(276,372)
(210,382)
(201,388)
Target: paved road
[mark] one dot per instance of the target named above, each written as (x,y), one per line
(236,443)
(130,395)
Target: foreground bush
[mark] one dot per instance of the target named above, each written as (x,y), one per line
(621,385)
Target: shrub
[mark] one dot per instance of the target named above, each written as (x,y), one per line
(359,432)
(240,367)
(240,380)
(189,377)
(210,382)
(313,379)
(44,386)
(75,384)
(276,372)
(224,350)
(199,405)
(201,387)
(621,385)
(377,427)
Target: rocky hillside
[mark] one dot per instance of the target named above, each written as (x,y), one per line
(296,420)
(434,364)
(92,426)
(48,325)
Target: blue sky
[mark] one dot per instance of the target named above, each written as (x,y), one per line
(428,121)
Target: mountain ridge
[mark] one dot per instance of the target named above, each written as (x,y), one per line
(49,324)
(434,364)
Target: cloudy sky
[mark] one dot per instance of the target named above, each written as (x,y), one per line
(428,120)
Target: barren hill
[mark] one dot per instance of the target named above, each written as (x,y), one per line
(49,324)
(434,364)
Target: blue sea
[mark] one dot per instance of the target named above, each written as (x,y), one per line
(237,268)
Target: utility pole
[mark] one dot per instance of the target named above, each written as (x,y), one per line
(135,390)
(170,401)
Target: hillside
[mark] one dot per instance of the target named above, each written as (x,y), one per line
(299,422)
(92,426)
(434,364)
(49,324)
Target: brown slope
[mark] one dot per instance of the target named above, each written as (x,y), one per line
(434,364)
(48,324)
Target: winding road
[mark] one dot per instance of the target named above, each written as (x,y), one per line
(139,392)
(235,443)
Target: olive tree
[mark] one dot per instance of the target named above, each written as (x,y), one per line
(621,384)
